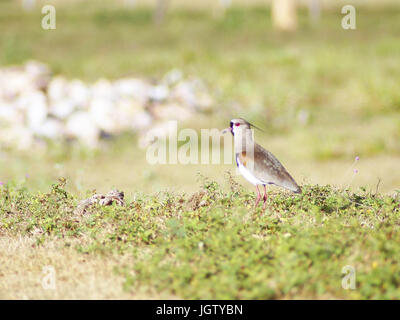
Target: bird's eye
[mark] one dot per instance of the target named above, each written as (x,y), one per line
(237,124)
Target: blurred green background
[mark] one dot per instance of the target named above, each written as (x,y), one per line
(322,94)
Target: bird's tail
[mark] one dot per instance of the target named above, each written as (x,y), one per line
(297,190)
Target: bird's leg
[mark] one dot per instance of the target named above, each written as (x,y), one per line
(265,197)
(258,196)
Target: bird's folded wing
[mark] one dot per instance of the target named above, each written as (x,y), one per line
(267,168)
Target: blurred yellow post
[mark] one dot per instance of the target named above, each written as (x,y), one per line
(160,11)
(284,15)
(314,7)
(220,9)
(130,3)
(28,5)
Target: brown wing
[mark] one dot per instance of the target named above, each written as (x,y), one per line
(268,169)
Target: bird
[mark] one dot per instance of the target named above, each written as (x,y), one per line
(256,164)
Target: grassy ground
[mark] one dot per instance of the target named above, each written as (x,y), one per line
(209,244)
(162,244)
(344,83)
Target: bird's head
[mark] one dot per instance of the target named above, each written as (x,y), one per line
(238,125)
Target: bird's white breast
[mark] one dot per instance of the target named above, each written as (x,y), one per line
(248,175)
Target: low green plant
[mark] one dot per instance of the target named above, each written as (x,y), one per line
(214,245)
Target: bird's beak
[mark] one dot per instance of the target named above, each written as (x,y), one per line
(226,130)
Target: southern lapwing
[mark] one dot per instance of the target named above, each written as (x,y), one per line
(257,165)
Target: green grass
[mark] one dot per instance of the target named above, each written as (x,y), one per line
(208,242)
(345,81)
(214,244)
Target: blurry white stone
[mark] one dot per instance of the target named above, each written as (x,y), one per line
(80,125)
(173,77)
(14,82)
(57,89)
(132,88)
(192,94)
(10,115)
(129,105)
(102,112)
(87,110)
(79,93)
(171,111)
(34,104)
(36,115)
(62,108)
(184,94)
(141,120)
(36,68)
(159,93)
(52,129)
(39,73)
(103,89)
(126,111)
